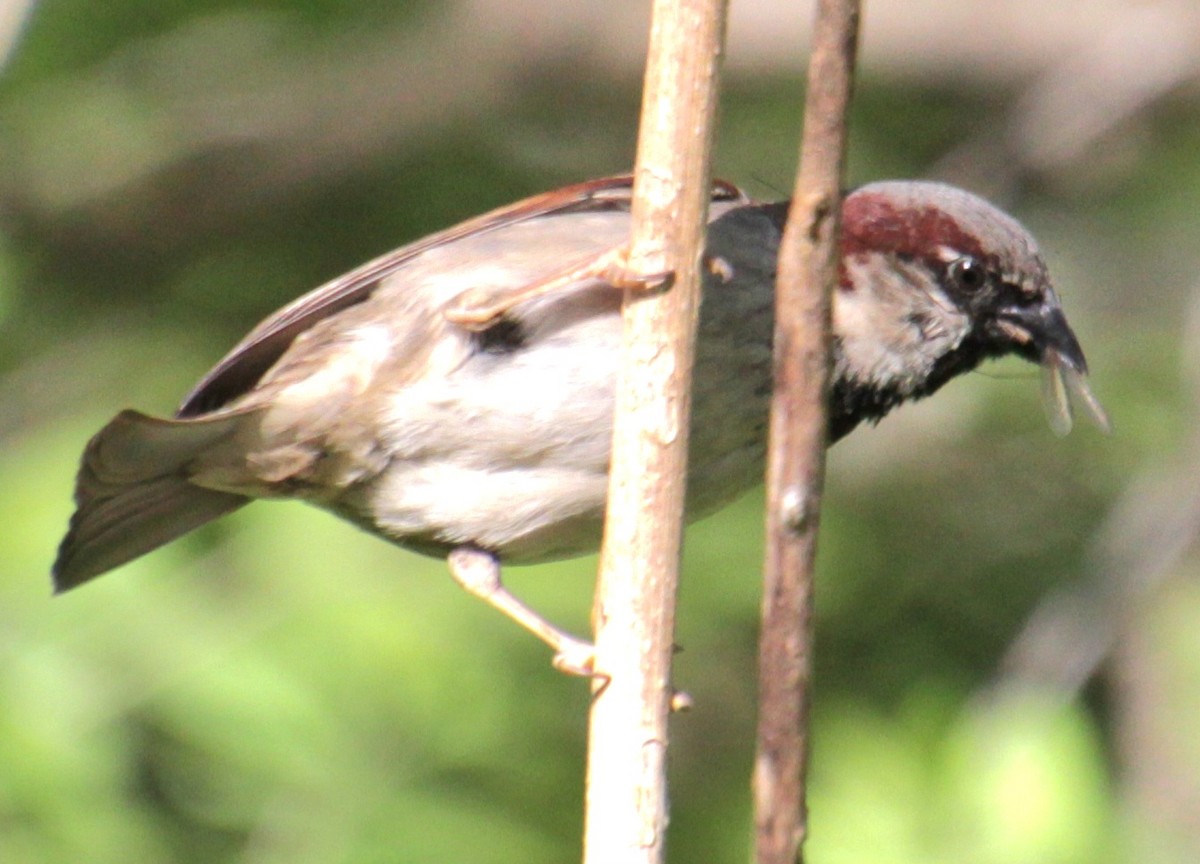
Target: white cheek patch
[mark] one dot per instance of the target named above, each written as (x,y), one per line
(895,324)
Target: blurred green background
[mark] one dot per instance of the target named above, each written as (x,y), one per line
(1008,650)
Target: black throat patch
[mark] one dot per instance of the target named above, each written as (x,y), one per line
(851,404)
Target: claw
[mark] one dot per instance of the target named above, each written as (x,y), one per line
(575,657)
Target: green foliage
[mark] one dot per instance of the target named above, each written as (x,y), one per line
(280,687)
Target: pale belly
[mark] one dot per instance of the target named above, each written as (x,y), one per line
(511,453)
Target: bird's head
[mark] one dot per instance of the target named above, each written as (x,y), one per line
(933,281)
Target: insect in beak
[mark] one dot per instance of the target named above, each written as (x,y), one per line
(1043,333)
(1064,388)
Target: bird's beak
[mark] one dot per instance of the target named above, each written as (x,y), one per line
(1041,332)
(1038,330)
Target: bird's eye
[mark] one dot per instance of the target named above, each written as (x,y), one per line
(967,273)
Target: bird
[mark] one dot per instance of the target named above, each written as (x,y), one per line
(455,396)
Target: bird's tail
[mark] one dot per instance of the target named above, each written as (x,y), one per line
(133,495)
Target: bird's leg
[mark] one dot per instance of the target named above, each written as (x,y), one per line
(479,573)
(479,308)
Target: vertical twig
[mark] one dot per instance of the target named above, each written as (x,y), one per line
(808,270)
(626,806)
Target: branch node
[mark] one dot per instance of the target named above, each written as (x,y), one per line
(821,209)
(680,702)
(797,509)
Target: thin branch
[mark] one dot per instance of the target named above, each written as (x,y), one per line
(808,269)
(626,808)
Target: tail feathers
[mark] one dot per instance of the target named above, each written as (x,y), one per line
(133,495)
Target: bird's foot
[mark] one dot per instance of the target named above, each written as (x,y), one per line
(479,573)
(479,308)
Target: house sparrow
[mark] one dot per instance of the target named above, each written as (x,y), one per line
(455,396)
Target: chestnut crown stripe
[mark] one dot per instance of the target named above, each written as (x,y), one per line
(881,218)
(873,223)
(877,219)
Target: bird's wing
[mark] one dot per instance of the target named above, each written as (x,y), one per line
(250,359)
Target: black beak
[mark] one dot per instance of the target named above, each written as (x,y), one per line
(1041,329)
(1040,333)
